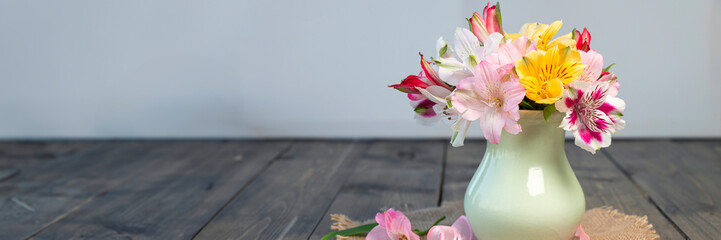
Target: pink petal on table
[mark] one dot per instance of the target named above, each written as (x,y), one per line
(378,233)
(463,228)
(442,233)
(580,234)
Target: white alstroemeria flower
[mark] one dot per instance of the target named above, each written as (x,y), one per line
(451,70)
(459,125)
(469,51)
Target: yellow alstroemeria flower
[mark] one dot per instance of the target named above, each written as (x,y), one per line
(546,73)
(542,34)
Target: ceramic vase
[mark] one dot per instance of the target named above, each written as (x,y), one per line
(524,187)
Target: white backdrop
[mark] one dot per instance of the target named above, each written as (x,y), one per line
(254,68)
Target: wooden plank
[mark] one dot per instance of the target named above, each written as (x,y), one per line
(682,181)
(707,149)
(43,193)
(186,188)
(603,183)
(404,175)
(17,155)
(461,164)
(289,198)
(23,152)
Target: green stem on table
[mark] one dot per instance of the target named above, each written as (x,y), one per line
(362,229)
(421,233)
(351,231)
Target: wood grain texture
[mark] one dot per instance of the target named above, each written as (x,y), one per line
(31,151)
(278,190)
(404,175)
(461,164)
(289,198)
(45,192)
(605,185)
(182,187)
(14,156)
(681,179)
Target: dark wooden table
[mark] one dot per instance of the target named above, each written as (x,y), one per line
(286,189)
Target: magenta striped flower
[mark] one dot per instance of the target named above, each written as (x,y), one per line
(591,114)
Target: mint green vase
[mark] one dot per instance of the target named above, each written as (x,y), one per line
(524,187)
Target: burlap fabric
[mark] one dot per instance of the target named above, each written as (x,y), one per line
(604,223)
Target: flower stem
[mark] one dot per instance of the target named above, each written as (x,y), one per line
(351,231)
(421,233)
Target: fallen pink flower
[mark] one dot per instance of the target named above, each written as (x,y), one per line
(392,225)
(460,230)
(580,234)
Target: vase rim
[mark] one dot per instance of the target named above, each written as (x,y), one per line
(536,116)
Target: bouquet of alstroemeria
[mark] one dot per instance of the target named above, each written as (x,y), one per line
(489,75)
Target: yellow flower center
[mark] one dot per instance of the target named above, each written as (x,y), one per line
(495,102)
(544,74)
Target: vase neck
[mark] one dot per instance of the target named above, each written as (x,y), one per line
(537,137)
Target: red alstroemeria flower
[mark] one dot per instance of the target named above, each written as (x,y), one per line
(493,18)
(411,84)
(427,93)
(490,22)
(583,40)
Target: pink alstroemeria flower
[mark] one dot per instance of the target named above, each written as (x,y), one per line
(508,54)
(612,80)
(490,22)
(460,230)
(392,225)
(580,234)
(486,97)
(594,66)
(583,40)
(591,114)
(593,72)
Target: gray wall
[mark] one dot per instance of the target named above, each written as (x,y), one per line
(314,68)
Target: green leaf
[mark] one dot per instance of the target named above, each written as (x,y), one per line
(526,105)
(351,231)
(548,111)
(443,50)
(609,67)
(420,110)
(421,233)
